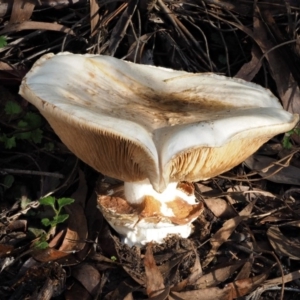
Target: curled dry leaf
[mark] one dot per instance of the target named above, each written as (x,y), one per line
(195,273)
(286,278)
(74,239)
(77,292)
(220,208)
(246,270)
(233,290)
(251,68)
(88,276)
(224,233)
(217,276)
(282,245)
(5,250)
(213,293)
(21,11)
(154,279)
(32,25)
(77,231)
(124,290)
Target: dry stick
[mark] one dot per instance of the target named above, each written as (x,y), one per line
(31,172)
(140,33)
(277,163)
(211,63)
(226,50)
(182,30)
(65,183)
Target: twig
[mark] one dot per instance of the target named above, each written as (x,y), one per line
(30,172)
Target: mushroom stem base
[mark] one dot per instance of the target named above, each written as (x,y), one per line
(151,219)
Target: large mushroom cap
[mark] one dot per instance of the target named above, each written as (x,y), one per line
(133,122)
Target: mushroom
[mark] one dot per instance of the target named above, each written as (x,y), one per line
(156,129)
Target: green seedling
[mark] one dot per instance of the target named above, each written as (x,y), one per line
(286,142)
(56,205)
(27,126)
(113,258)
(3,41)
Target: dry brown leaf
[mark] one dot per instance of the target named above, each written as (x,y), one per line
(5,249)
(136,276)
(17,225)
(77,292)
(49,254)
(6,5)
(163,295)
(251,68)
(213,293)
(276,173)
(195,273)
(224,233)
(286,278)
(32,25)
(220,208)
(242,287)
(94,9)
(120,28)
(88,276)
(245,270)
(124,290)
(21,11)
(217,276)
(77,231)
(154,279)
(170,263)
(287,86)
(136,49)
(282,245)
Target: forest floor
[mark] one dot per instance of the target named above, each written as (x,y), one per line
(246,243)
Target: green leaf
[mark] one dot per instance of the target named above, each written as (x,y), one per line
(60,218)
(41,245)
(34,120)
(286,142)
(12,108)
(37,232)
(37,135)
(10,142)
(64,201)
(49,147)
(46,222)
(3,41)
(47,201)
(23,135)
(297,131)
(8,181)
(22,124)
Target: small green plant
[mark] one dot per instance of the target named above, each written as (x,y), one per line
(3,41)
(113,258)
(26,126)
(56,205)
(286,142)
(41,243)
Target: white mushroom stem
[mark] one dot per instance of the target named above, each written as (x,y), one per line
(135,192)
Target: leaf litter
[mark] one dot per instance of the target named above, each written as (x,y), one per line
(245,244)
